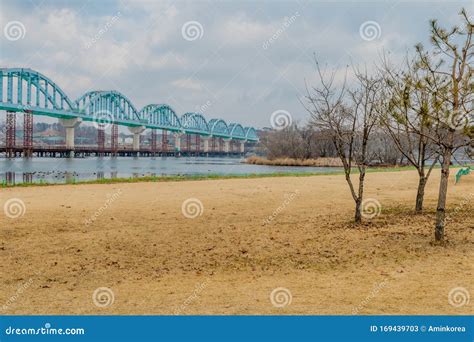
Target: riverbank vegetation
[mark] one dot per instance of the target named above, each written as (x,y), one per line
(316,162)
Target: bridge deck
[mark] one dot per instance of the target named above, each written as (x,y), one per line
(52,151)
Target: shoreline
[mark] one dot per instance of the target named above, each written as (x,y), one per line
(183,178)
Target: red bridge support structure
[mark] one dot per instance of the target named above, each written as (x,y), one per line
(188,143)
(153,141)
(114,140)
(221,145)
(198,144)
(100,141)
(27,135)
(11,134)
(164,141)
(213,144)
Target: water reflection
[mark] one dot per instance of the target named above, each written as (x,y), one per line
(27,177)
(64,170)
(10,178)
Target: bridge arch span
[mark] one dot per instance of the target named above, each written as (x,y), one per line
(195,122)
(30,91)
(219,128)
(162,116)
(251,134)
(109,104)
(236,131)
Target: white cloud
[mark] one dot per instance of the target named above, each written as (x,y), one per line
(187,84)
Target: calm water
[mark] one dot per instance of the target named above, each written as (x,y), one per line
(61,170)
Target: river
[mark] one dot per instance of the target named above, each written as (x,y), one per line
(62,170)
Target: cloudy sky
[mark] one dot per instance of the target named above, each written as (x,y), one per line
(236,60)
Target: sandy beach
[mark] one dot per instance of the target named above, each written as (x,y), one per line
(251,237)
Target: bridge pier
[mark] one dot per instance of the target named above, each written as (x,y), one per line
(242,146)
(137,130)
(206,145)
(70,125)
(227,145)
(11,135)
(114,140)
(177,143)
(213,144)
(27,135)
(188,143)
(164,141)
(198,144)
(153,142)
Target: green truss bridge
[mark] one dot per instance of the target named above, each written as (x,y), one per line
(32,93)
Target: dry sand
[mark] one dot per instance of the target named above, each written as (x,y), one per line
(228,260)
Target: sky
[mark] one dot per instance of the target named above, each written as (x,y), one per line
(240,61)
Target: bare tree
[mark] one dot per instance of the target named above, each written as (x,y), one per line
(349,116)
(406,118)
(449,80)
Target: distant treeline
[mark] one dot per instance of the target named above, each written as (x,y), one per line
(302,142)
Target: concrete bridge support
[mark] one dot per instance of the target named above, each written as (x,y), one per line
(70,125)
(177,142)
(136,136)
(205,141)
(242,146)
(227,145)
